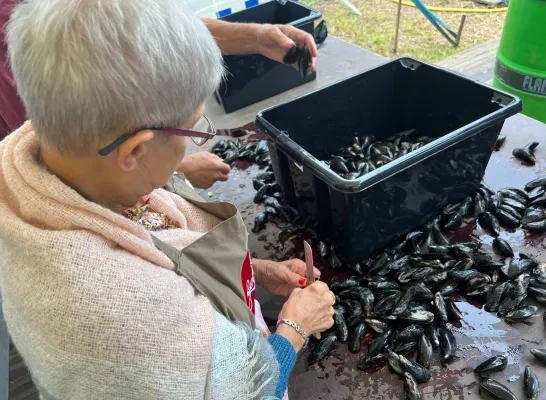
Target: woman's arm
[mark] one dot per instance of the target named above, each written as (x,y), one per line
(234,38)
(255,365)
(271,41)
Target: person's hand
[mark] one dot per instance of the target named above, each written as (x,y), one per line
(274,41)
(281,277)
(311,308)
(203,169)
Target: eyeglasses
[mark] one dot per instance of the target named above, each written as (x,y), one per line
(202,131)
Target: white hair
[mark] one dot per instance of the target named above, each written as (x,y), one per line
(89,71)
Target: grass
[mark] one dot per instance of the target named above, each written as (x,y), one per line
(375,29)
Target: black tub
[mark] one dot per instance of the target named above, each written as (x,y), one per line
(252,78)
(365,214)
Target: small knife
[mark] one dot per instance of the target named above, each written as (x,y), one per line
(310,271)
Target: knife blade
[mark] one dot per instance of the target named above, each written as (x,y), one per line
(310,271)
(309,275)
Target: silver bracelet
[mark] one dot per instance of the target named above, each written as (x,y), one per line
(297,328)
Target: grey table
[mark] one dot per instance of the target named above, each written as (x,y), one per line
(481,335)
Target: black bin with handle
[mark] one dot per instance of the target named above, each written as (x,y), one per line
(253,78)
(365,214)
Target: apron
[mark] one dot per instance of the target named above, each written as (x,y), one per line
(218,264)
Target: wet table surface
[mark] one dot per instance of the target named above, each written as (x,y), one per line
(481,334)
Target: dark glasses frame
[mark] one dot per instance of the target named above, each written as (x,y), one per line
(203,136)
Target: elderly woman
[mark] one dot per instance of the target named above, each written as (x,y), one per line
(114,288)
(202,169)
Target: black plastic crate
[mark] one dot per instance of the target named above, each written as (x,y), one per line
(253,78)
(368,213)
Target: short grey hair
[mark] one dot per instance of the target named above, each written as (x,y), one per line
(89,71)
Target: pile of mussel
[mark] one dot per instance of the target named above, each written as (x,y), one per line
(268,193)
(531,383)
(405,295)
(232,150)
(365,154)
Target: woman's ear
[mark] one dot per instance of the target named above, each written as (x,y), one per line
(130,152)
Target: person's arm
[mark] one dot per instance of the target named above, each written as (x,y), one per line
(271,41)
(286,357)
(234,38)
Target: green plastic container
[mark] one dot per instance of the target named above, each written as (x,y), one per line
(521,57)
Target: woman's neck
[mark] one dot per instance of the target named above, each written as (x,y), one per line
(87,178)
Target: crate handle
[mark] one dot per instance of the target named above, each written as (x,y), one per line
(410,63)
(501,99)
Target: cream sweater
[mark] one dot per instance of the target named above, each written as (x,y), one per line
(96,310)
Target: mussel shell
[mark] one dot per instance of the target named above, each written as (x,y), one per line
(538,226)
(411,388)
(440,309)
(261,193)
(433,336)
(324,249)
(514,194)
(410,333)
(500,141)
(524,155)
(448,344)
(292,55)
(355,339)
(495,363)
(405,347)
(322,349)
(535,183)
(531,384)
(353,307)
(478,281)
(273,202)
(489,222)
(422,293)
(417,316)
(496,389)
(521,313)
(340,324)
(502,247)
(259,222)
(536,193)
(394,362)
(453,222)
(424,351)
(540,355)
(355,320)
(496,295)
(464,264)
(376,325)
(377,345)
(367,362)
(464,275)
(404,302)
(519,266)
(507,219)
(419,373)
(453,312)
(387,304)
(539,273)
(480,204)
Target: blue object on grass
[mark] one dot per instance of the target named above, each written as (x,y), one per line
(440,25)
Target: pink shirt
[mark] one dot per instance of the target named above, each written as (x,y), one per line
(12,111)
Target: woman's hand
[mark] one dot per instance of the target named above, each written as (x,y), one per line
(203,169)
(311,308)
(281,278)
(275,40)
